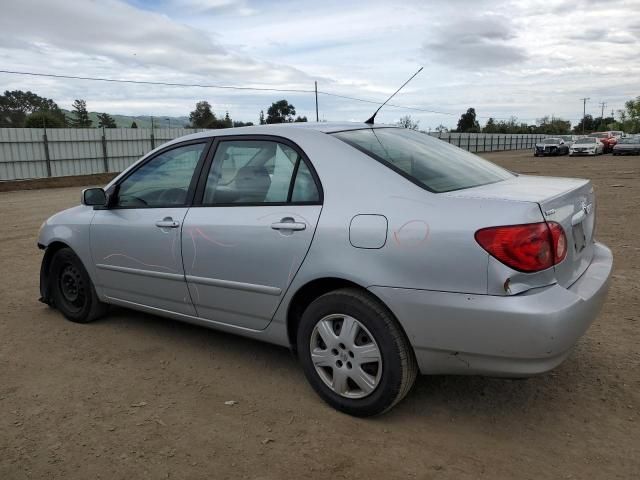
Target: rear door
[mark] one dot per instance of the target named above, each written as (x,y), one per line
(257,207)
(136,242)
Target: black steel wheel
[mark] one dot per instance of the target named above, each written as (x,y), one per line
(72,291)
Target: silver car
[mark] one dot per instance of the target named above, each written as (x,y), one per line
(376,253)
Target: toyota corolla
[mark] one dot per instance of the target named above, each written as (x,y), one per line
(376,253)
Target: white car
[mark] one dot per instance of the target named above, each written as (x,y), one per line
(586,146)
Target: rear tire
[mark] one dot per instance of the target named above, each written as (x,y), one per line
(72,291)
(354,353)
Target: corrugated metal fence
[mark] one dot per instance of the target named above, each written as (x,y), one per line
(489,142)
(34,153)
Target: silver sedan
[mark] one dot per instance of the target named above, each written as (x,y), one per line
(376,253)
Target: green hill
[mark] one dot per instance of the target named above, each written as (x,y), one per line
(124,121)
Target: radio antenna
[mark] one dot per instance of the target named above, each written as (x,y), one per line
(371,120)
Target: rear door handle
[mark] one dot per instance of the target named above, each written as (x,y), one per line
(167,222)
(288,224)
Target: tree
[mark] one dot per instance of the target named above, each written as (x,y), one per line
(442,129)
(553,126)
(106,121)
(588,123)
(490,127)
(468,122)
(242,124)
(408,122)
(80,115)
(280,112)
(16,105)
(301,119)
(227,121)
(632,107)
(261,119)
(134,124)
(202,116)
(44,119)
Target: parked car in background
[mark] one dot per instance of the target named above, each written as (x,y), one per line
(587,146)
(628,146)
(550,146)
(568,139)
(617,133)
(374,252)
(608,140)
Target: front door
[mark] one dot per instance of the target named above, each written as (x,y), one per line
(244,243)
(136,242)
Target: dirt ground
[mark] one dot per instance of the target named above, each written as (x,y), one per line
(136,396)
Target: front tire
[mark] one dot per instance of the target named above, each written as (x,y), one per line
(72,291)
(354,353)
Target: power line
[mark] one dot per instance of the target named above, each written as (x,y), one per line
(377,102)
(166,84)
(235,87)
(602,104)
(584,111)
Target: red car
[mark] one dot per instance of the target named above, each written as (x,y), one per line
(608,139)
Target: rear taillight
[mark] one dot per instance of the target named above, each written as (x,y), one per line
(527,248)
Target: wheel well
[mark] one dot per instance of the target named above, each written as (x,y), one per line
(51,249)
(307,294)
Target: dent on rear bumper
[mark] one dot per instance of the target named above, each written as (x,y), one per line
(520,335)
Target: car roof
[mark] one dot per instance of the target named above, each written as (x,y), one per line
(325,127)
(278,129)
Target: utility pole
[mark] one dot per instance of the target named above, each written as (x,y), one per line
(584,111)
(602,104)
(317,117)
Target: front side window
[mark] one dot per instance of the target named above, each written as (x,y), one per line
(255,172)
(163,181)
(429,162)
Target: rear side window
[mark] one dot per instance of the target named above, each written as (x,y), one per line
(251,172)
(426,161)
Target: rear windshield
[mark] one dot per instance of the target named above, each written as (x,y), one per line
(429,162)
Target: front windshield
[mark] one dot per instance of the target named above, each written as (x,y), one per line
(551,141)
(429,162)
(586,140)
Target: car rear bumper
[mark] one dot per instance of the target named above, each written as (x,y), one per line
(513,336)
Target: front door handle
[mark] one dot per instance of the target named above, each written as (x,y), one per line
(167,222)
(288,223)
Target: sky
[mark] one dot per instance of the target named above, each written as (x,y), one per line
(505,58)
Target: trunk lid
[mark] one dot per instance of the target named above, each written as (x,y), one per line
(567,201)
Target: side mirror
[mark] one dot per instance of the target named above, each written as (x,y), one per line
(94,197)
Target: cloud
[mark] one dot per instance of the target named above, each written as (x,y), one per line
(603,35)
(134,38)
(475,43)
(502,57)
